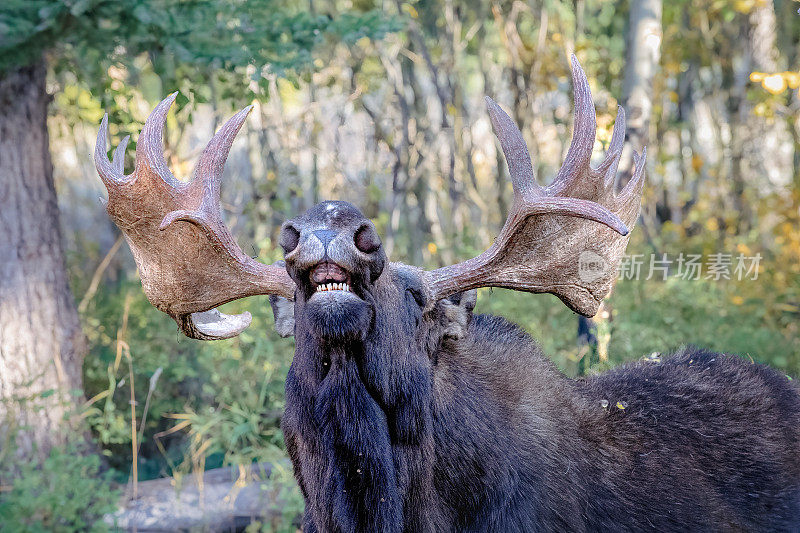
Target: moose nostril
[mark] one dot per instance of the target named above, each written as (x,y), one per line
(289,239)
(367,240)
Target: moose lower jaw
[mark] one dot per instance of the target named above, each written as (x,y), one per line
(338,315)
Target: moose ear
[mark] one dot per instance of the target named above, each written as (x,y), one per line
(457,313)
(283,310)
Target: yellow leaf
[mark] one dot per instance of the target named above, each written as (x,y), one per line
(737,300)
(411,10)
(673,67)
(432,248)
(774,84)
(71,92)
(747,6)
(792,79)
(177,427)
(97,397)
(761,109)
(697,162)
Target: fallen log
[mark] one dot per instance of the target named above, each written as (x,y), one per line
(223,499)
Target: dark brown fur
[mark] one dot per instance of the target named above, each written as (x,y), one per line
(405,414)
(697,442)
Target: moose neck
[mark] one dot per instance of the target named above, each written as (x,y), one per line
(368,405)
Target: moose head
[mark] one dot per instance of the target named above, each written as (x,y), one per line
(365,382)
(189,262)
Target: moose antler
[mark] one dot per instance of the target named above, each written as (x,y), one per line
(551,241)
(188,261)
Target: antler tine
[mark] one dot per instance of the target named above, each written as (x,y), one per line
(208,172)
(118,157)
(515,149)
(632,192)
(579,154)
(579,208)
(150,148)
(608,168)
(110,172)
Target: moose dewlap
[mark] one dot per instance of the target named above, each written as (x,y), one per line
(407,412)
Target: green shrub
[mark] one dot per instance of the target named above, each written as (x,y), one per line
(65,493)
(657,316)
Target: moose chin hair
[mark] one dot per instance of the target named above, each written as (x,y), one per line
(339,316)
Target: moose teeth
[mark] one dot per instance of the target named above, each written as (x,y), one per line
(333,287)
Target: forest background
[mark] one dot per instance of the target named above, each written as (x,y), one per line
(380,103)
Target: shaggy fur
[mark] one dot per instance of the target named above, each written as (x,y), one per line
(409,415)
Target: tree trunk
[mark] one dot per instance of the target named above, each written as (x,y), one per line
(756,156)
(641,63)
(41,342)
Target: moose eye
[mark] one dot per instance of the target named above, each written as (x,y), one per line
(289,239)
(366,239)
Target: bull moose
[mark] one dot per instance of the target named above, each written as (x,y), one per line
(406,412)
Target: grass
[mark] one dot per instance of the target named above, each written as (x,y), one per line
(657,316)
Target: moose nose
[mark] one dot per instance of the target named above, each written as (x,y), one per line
(325,236)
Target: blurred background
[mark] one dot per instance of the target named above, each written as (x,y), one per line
(380,103)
